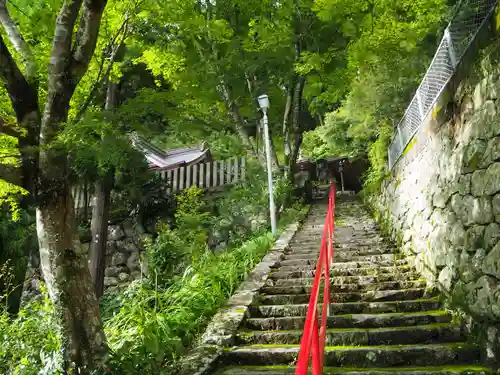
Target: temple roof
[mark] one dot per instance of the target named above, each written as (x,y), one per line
(159,159)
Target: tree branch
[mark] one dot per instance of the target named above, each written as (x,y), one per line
(100,76)
(22,94)
(86,37)
(19,43)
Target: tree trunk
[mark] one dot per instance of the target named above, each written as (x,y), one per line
(64,266)
(297,108)
(286,129)
(100,213)
(99,228)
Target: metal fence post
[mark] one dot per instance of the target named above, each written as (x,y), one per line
(400,137)
(420,103)
(451,49)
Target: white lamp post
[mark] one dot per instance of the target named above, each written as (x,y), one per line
(264,106)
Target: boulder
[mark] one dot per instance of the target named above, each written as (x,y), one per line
(110,281)
(129,228)
(112,271)
(115,233)
(135,275)
(123,277)
(111,247)
(133,261)
(127,245)
(118,259)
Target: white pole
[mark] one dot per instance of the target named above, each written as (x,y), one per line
(272,208)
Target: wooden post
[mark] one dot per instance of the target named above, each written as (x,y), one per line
(169,181)
(188,176)
(195,175)
(202,175)
(214,184)
(182,172)
(221,173)
(229,171)
(236,167)
(242,173)
(175,182)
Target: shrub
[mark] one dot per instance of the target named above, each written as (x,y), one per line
(155,324)
(30,344)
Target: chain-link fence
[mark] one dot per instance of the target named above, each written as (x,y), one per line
(469,17)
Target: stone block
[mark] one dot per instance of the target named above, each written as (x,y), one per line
(118,259)
(471,210)
(115,233)
(486,182)
(112,271)
(491,264)
(127,245)
(473,155)
(446,278)
(463,184)
(474,238)
(111,247)
(133,261)
(123,277)
(492,153)
(111,281)
(495,203)
(491,236)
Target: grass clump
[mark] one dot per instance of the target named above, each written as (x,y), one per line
(154,324)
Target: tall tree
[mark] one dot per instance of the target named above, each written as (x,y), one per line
(46,172)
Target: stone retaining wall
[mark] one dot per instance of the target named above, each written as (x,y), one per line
(442,200)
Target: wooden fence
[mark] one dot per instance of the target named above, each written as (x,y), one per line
(212,175)
(206,175)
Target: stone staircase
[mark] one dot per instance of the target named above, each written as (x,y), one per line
(383,320)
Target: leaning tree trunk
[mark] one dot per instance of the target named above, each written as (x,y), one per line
(100,214)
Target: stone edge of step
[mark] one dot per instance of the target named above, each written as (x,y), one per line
(222,329)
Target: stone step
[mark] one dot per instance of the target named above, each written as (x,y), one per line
(359,356)
(313,255)
(340,258)
(341,280)
(341,241)
(353,270)
(353,320)
(422,334)
(339,264)
(369,296)
(345,288)
(290,370)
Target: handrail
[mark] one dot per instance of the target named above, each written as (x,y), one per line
(312,344)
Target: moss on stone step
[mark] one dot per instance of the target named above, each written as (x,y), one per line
(287,370)
(360,356)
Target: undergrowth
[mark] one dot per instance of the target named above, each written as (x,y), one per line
(153,321)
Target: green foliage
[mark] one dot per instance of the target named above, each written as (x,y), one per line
(30,344)
(155,325)
(183,242)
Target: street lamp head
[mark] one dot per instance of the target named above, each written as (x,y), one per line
(263,102)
